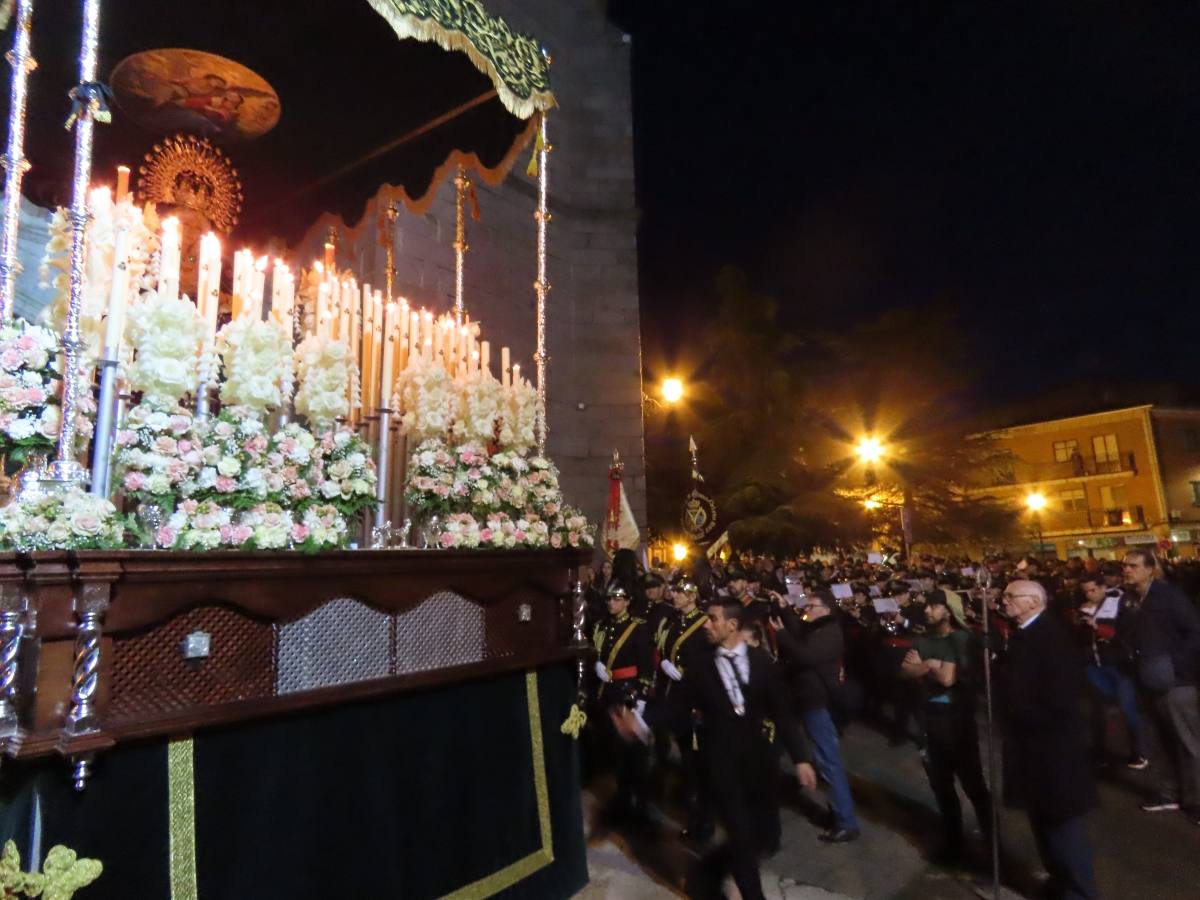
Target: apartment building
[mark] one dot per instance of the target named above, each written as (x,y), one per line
(1096,484)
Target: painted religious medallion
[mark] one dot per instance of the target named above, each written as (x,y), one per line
(197,92)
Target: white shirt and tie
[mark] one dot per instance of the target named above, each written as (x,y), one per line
(734,668)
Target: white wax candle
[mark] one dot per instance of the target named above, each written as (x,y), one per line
(485,357)
(115,322)
(322,322)
(168,268)
(258,286)
(389,351)
(505,372)
(368,352)
(516,374)
(210,281)
(243,265)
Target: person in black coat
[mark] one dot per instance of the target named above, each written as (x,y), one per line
(734,691)
(1046,771)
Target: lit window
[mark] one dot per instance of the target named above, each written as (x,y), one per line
(1064,450)
(1104,446)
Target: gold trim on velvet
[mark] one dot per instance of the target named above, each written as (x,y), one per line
(544,855)
(181,819)
(181,811)
(513,62)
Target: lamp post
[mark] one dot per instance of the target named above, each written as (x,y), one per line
(1035,503)
(871,450)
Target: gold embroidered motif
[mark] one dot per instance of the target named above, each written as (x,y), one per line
(181,819)
(63,873)
(683,637)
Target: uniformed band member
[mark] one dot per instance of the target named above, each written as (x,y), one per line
(683,645)
(625,669)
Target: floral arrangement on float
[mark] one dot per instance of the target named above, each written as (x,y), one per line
(471,478)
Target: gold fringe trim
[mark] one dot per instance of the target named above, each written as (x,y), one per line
(408,26)
(508,876)
(418,206)
(181,819)
(574,723)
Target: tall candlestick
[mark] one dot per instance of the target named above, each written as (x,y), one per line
(122,182)
(117,295)
(208,293)
(168,267)
(389,353)
(14,160)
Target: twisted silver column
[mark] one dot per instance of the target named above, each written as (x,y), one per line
(14,161)
(87,100)
(10,645)
(82,716)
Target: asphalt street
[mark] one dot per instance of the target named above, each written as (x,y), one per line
(1137,854)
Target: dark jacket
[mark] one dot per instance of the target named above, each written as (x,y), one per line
(1165,622)
(1039,686)
(728,738)
(811,653)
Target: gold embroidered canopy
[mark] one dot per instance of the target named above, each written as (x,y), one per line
(514,63)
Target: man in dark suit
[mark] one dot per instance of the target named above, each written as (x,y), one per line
(1046,769)
(734,691)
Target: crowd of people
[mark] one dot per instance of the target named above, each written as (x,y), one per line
(712,668)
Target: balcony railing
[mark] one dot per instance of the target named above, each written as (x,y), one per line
(1021,472)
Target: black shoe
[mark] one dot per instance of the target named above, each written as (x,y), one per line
(839,836)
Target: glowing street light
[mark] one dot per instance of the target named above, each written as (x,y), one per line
(869,449)
(679,551)
(871,504)
(672,390)
(1036,502)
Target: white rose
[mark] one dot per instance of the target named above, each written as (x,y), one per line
(356,459)
(229,466)
(331,489)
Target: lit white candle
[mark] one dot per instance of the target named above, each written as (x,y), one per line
(243,267)
(258,285)
(117,295)
(414,334)
(516,374)
(389,352)
(377,338)
(368,351)
(505,372)
(122,182)
(485,357)
(208,293)
(168,267)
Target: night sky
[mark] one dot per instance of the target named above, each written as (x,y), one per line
(1032,168)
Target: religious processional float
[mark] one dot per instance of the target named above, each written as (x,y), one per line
(284,460)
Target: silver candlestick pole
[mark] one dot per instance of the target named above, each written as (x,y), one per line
(541,285)
(381,473)
(14,161)
(106,415)
(88,100)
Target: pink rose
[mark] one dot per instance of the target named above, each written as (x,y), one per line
(242,533)
(134,481)
(447,539)
(10,358)
(225,484)
(520,535)
(299,532)
(26,342)
(180,424)
(226,532)
(165,536)
(485,534)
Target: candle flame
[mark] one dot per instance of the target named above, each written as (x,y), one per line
(261,265)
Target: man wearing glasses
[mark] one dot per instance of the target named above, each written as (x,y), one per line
(1045,773)
(1164,632)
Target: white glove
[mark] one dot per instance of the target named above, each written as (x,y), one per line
(670,671)
(602,672)
(639,710)
(640,726)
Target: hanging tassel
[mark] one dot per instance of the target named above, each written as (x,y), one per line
(538,146)
(576,719)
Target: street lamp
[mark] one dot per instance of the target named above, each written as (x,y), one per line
(672,390)
(869,449)
(870,504)
(1036,502)
(679,551)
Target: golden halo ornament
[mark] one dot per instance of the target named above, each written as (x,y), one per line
(188,171)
